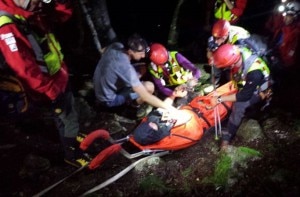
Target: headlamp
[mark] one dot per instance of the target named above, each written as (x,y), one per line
(281,8)
(46,1)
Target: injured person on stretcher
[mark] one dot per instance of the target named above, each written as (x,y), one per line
(159,122)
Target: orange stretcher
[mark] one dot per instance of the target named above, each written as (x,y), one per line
(202,117)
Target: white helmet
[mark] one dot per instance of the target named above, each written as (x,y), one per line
(292,8)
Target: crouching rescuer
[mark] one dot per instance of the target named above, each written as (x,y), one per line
(251,75)
(32,55)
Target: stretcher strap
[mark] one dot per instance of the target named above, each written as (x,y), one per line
(120,174)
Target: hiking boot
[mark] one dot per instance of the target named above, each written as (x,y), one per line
(78,159)
(73,155)
(80,137)
(143,110)
(224,145)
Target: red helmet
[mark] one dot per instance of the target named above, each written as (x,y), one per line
(221,28)
(226,55)
(158,54)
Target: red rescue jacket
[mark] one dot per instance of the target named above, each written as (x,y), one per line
(288,44)
(20,57)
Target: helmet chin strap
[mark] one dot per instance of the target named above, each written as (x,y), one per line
(23,4)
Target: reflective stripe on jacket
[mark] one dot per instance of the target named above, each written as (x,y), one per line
(178,75)
(171,72)
(251,62)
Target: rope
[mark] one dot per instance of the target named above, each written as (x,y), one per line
(217,117)
(218,127)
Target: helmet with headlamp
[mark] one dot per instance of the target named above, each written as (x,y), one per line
(290,8)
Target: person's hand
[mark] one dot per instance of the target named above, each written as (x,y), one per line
(192,82)
(213,102)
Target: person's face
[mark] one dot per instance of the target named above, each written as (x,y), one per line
(30,5)
(137,55)
(35,5)
(288,19)
(220,40)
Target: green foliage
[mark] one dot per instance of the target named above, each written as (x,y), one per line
(249,151)
(153,183)
(187,172)
(297,125)
(224,170)
(221,172)
(205,76)
(203,81)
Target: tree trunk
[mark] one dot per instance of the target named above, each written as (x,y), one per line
(173,33)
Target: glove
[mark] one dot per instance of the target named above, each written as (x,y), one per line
(212,45)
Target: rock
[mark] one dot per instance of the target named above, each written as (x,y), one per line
(250,130)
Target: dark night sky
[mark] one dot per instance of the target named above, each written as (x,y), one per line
(152,18)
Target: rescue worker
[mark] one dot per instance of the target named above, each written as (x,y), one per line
(223,32)
(252,78)
(170,70)
(33,55)
(285,45)
(230,10)
(285,40)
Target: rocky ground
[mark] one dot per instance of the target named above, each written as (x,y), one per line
(262,161)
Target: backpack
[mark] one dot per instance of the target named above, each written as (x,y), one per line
(258,45)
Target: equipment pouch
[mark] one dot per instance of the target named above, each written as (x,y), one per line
(13,99)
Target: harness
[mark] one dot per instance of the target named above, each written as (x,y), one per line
(252,62)
(171,72)
(50,57)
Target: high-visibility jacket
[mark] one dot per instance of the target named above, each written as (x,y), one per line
(24,59)
(175,72)
(252,62)
(223,12)
(172,73)
(237,33)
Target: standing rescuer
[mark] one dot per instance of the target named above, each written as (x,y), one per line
(33,55)
(230,10)
(252,78)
